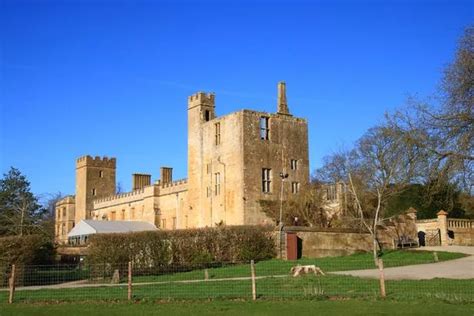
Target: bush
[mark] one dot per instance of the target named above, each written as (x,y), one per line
(161,249)
(22,251)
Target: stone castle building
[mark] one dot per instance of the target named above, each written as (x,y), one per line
(234,161)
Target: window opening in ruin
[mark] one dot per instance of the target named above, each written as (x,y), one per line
(331,193)
(101,173)
(295,187)
(207,115)
(266,180)
(217,185)
(94,192)
(294,164)
(264,128)
(218,133)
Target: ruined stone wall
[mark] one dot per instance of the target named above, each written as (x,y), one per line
(287,140)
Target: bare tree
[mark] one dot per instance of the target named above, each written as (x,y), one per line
(380,165)
(308,206)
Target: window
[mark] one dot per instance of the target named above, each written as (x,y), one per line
(217,183)
(64,213)
(123,215)
(295,187)
(331,193)
(208,191)
(207,115)
(264,128)
(218,133)
(294,164)
(174,222)
(208,167)
(163,223)
(266,180)
(113,216)
(94,192)
(101,174)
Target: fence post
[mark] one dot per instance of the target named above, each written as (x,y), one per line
(254,288)
(129,280)
(435,256)
(206,274)
(382,279)
(12,285)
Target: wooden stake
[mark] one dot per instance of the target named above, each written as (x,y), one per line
(206,274)
(12,285)
(254,287)
(129,280)
(435,256)
(382,279)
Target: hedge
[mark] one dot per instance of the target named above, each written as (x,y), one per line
(23,251)
(163,249)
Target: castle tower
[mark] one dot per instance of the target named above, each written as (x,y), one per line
(201,109)
(95,178)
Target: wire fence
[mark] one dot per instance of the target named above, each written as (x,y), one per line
(272,279)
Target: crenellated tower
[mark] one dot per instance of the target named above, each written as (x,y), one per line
(95,178)
(201,109)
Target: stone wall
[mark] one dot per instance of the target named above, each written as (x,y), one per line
(319,242)
(448,231)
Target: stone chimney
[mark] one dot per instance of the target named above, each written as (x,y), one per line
(140,181)
(166,175)
(282,104)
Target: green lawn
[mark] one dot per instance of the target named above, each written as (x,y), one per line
(275,283)
(327,264)
(289,307)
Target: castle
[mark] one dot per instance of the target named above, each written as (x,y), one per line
(233,162)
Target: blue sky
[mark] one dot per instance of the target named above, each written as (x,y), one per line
(112,78)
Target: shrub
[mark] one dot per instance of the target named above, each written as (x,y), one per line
(162,249)
(22,251)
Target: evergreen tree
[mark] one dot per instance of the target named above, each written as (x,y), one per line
(20,211)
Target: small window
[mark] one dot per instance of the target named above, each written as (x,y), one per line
(208,191)
(207,115)
(208,168)
(264,128)
(295,187)
(217,184)
(163,223)
(266,180)
(218,133)
(101,174)
(94,192)
(64,213)
(174,222)
(331,193)
(294,164)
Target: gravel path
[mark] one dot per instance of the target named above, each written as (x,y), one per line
(452,269)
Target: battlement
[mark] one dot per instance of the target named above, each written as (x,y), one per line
(174,183)
(97,161)
(201,98)
(135,193)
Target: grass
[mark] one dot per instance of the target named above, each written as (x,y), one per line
(275,284)
(287,307)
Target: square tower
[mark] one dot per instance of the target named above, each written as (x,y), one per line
(95,178)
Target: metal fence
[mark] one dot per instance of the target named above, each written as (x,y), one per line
(272,279)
